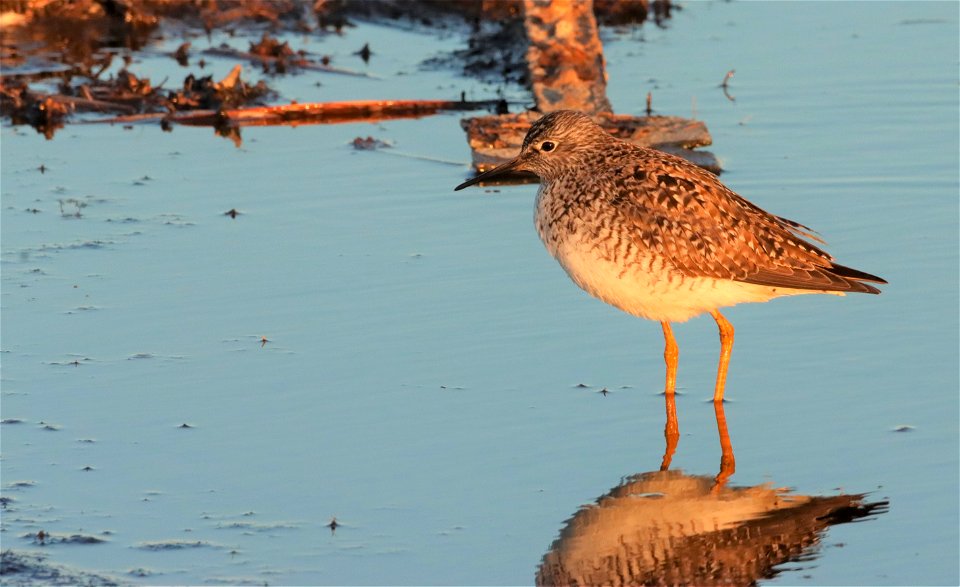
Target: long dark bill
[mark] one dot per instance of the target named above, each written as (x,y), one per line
(497,171)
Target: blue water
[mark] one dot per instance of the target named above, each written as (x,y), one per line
(420,379)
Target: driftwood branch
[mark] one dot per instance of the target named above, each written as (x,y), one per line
(308,113)
(566,65)
(495,139)
(565,56)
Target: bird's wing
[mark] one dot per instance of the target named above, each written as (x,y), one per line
(706,230)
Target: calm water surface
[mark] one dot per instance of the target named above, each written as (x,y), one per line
(431,375)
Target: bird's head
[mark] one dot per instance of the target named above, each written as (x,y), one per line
(555,143)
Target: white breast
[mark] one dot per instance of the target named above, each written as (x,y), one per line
(639,282)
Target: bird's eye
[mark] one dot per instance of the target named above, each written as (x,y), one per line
(547,146)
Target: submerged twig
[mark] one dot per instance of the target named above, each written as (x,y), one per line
(724,84)
(727,77)
(92,104)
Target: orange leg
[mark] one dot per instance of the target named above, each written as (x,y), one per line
(671,355)
(726,346)
(728,463)
(671,431)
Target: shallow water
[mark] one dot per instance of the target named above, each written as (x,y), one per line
(422,376)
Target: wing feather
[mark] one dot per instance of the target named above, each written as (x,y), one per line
(706,230)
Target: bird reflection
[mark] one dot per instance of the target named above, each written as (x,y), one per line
(670,528)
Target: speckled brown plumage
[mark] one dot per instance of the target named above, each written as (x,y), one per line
(661,238)
(661,203)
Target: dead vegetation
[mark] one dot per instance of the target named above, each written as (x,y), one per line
(55,55)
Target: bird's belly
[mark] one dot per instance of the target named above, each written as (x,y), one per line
(647,286)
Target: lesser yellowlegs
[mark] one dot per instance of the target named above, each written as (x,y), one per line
(661,238)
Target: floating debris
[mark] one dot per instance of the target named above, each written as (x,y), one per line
(140,572)
(20,484)
(255,527)
(182,54)
(176,545)
(47,538)
(369,144)
(269,49)
(364,53)
(78,206)
(279,55)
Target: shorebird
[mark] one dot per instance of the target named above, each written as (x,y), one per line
(663,239)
